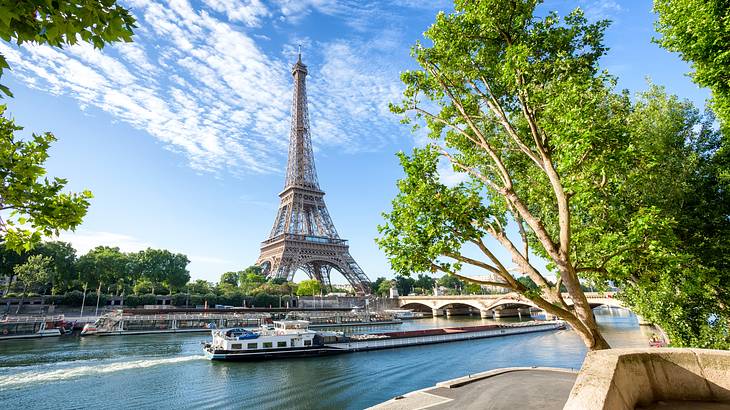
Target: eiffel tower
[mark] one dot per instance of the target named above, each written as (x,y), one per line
(303,236)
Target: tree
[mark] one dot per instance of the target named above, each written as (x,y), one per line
(104,265)
(36,272)
(375,285)
(308,287)
(9,259)
(230,278)
(697,30)
(59,23)
(518,104)
(404,284)
(472,289)
(200,287)
(63,256)
(384,287)
(163,266)
(425,282)
(682,280)
(450,282)
(34,207)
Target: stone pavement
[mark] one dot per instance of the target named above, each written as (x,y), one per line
(500,389)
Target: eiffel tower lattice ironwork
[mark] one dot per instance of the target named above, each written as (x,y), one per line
(303,236)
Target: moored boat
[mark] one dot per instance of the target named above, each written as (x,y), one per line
(32,327)
(285,338)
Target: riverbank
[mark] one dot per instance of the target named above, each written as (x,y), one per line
(144,371)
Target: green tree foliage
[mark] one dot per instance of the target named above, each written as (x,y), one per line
(472,289)
(681,279)
(36,273)
(59,23)
(450,282)
(404,284)
(200,287)
(103,267)
(424,282)
(375,285)
(230,278)
(518,103)
(163,266)
(384,287)
(699,31)
(35,206)
(63,256)
(309,287)
(528,283)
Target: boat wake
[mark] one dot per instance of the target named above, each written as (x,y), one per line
(31,377)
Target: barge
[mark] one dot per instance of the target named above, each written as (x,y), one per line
(33,327)
(133,323)
(293,338)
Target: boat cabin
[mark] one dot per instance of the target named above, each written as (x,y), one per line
(286,334)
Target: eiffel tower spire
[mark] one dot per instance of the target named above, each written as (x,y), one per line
(300,171)
(303,236)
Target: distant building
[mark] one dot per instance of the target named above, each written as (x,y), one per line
(491,278)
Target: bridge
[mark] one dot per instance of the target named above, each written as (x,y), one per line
(496,306)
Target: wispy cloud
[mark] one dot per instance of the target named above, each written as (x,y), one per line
(197,80)
(84,241)
(601,9)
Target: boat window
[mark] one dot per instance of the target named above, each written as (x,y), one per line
(236,346)
(252,345)
(280,344)
(268,344)
(307,343)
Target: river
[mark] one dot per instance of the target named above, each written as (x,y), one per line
(168,371)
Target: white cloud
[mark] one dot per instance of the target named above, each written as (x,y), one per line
(600,9)
(248,12)
(205,89)
(83,241)
(448,176)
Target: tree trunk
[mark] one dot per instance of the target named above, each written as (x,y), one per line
(22,297)
(581,307)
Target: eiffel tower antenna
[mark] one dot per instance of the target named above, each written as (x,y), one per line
(303,236)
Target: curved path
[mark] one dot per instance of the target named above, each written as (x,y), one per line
(501,389)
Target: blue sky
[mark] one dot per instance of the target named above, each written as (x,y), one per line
(182,135)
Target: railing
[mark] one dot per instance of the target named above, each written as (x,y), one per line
(306,238)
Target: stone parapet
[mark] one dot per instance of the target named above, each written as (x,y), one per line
(627,378)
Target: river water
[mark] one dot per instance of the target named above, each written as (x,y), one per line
(169,371)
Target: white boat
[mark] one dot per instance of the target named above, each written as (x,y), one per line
(286,338)
(404,314)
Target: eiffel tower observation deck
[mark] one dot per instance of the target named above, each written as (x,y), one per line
(303,236)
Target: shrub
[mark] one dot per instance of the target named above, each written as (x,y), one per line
(148,299)
(131,300)
(179,299)
(196,300)
(211,298)
(55,300)
(265,300)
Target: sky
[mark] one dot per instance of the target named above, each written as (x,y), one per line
(182,135)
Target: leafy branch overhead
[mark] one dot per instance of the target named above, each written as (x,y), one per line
(35,207)
(63,22)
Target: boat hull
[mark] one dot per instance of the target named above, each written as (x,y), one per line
(250,356)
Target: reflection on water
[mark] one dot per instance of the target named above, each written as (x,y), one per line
(168,370)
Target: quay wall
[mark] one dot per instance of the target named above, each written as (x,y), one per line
(628,378)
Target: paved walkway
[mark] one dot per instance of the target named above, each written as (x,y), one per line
(501,389)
